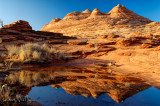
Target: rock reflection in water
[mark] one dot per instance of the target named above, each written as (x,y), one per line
(77,81)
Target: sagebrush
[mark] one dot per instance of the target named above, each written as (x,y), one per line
(30,52)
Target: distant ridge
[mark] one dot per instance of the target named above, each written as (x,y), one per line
(85,23)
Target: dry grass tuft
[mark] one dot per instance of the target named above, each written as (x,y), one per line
(30,52)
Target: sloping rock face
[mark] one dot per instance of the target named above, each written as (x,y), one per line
(87,11)
(125,16)
(19,25)
(96,12)
(89,23)
(21,30)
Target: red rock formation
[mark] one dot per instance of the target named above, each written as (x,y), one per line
(87,11)
(128,16)
(29,39)
(96,12)
(21,30)
(124,43)
(77,42)
(56,20)
(90,45)
(77,15)
(92,23)
(106,49)
(56,42)
(19,25)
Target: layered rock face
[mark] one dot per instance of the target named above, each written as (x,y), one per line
(21,30)
(19,25)
(93,23)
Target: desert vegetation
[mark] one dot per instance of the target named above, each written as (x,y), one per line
(32,52)
(9,96)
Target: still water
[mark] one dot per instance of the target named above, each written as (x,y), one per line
(51,96)
(68,86)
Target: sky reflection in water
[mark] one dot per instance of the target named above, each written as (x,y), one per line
(52,96)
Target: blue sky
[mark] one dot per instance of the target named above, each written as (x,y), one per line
(40,12)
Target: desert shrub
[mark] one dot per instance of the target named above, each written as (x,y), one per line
(30,52)
(8,64)
(10,97)
(5,64)
(5,93)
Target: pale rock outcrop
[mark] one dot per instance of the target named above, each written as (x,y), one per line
(87,11)
(96,12)
(90,24)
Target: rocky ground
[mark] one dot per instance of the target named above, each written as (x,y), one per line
(139,59)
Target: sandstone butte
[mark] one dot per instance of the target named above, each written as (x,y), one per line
(90,24)
(131,41)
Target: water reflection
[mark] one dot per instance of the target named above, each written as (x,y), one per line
(74,81)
